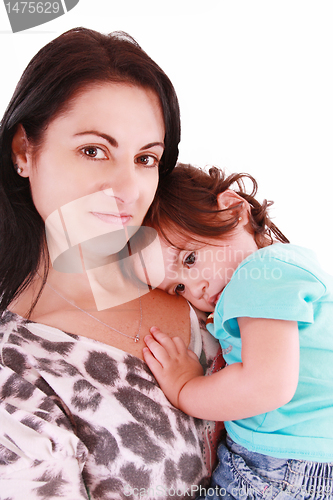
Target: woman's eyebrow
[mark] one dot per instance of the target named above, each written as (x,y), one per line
(152,144)
(107,137)
(112,141)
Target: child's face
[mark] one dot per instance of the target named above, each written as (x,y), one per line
(198,274)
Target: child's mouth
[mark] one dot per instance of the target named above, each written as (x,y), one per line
(217,297)
(213,300)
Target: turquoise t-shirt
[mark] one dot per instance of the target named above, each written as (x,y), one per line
(285,281)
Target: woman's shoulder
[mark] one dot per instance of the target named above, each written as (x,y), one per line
(10,321)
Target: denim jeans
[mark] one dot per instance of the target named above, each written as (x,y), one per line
(245,475)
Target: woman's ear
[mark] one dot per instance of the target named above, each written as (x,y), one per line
(21,152)
(229,199)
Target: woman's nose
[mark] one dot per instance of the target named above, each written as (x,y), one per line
(124,185)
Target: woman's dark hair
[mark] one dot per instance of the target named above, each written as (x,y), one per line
(75,60)
(185,207)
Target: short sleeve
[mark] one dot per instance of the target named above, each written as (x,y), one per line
(268,288)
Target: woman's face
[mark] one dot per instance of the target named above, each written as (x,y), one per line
(97,168)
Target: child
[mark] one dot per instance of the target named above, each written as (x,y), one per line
(274,319)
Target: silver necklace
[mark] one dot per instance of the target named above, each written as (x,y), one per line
(136,338)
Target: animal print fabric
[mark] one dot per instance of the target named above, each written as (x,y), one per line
(83,420)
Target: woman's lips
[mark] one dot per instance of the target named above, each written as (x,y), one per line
(120,219)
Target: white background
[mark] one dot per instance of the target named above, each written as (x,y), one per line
(255,85)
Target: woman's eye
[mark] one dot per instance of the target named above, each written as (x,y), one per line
(94,152)
(147,161)
(180,288)
(190,259)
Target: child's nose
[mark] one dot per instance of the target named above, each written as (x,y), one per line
(199,288)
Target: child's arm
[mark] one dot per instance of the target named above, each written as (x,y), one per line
(265,380)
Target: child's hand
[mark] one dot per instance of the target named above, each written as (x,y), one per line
(172,364)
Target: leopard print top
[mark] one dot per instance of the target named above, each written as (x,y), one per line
(83,420)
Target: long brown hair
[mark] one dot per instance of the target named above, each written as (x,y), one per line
(186,206)
(65,66)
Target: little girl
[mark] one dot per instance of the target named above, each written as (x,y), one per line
(273,316)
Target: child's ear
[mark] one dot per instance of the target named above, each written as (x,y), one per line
(230,199)
(21,152)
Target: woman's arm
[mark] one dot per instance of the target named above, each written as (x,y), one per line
(265,380)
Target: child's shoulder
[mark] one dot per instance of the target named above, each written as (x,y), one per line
(286,252)
(295,257)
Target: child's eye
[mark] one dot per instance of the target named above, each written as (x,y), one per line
(190,259)
(180,288)
(94,153)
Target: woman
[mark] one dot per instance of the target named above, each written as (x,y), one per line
(93,126)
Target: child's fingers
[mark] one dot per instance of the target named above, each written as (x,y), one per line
(180,345)
(164,340)
(157,350)
(152,362)
(192,355)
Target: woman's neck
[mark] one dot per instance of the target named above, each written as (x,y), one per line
(58,312)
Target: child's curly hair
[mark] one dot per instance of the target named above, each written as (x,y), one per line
(186,205)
